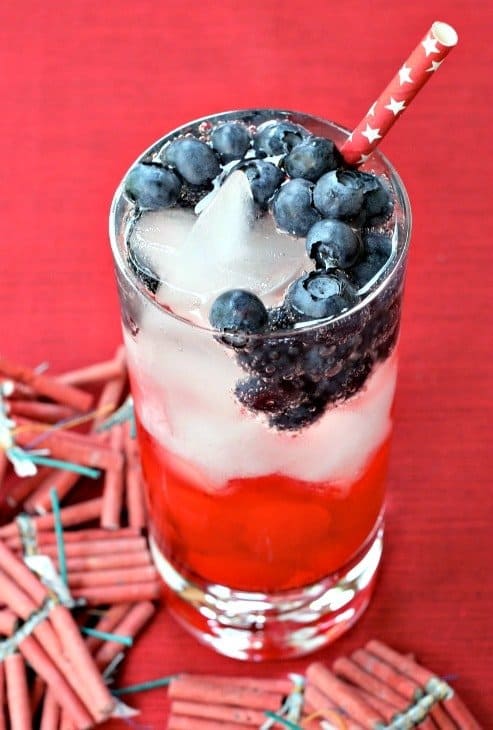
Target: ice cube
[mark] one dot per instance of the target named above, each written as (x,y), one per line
(157,235)
(208,260)
(226,247)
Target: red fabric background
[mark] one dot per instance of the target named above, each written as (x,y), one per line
(85,86)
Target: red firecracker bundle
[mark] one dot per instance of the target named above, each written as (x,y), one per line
(55,570)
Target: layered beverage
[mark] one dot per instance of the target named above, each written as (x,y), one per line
(261,280)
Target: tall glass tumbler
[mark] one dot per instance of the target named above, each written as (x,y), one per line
(268,540)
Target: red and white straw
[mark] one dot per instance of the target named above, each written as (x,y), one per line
(421,65)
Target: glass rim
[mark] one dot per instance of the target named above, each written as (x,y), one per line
(379,285)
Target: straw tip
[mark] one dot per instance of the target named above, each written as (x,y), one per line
(444,34)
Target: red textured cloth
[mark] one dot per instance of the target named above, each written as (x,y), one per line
(86,86)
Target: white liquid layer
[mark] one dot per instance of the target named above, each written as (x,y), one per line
(183,384)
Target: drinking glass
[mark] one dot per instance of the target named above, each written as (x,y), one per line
(268,540)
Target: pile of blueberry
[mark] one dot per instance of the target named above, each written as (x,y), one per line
(303,181)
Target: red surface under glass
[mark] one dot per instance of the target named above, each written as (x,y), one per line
(267,533)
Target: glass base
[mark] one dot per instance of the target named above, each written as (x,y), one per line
(261,626)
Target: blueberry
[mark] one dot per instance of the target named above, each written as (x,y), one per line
(340,194)
(377,249)
(380,334)
(142,270)
(378,203)
(351,194)
(299,416)
(230,140)
(277,138)
(317,295)
(292,207)
(266,396)
(152,186)
(264,178)
(311,158)
(273,358)
(354,376)
(333,245)
(281,318)
(322,362)
(193,159)
(190,195)
(238,310)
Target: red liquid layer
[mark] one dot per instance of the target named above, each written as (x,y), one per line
(268,533)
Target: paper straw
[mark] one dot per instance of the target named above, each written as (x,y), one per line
(421,65)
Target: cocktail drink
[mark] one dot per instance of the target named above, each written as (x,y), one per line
(261,280)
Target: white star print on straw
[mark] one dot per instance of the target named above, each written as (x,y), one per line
(434,66)
(430,45)
(371,134)
(395,106)
(405,75)
(398,94)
